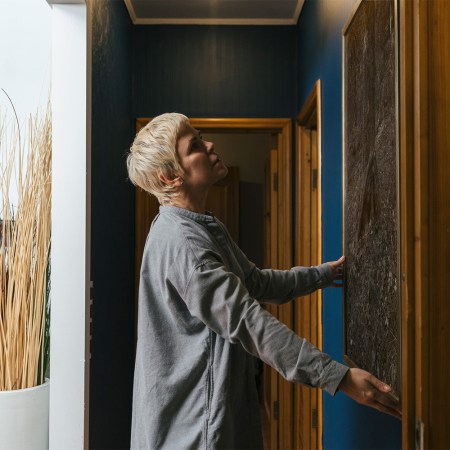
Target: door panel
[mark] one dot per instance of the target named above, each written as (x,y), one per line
(270,376)
(285,312)
(308,251)
(223,201)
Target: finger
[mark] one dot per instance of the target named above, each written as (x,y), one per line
(382,387)
(388,400)
(384,394)
(341,260)
(387,410)
(383,403)
(337,265)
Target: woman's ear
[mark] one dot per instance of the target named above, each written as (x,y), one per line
(173,181)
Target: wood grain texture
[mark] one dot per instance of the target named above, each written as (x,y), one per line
(425,171)
(302,421)
(270,380)
(308,250)
(407,202)
(223,201)
(285,312)
(273,378)
(439,221)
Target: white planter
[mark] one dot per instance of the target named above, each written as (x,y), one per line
(24,418)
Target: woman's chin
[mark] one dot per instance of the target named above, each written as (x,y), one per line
(224,172)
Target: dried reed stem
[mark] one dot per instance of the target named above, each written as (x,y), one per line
(24,252)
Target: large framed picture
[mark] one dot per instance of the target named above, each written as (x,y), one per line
(371,224)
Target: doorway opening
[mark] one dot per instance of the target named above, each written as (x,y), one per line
(278,237)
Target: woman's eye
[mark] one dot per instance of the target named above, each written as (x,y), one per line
(198,143)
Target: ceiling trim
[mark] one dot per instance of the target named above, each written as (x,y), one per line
(298,10)
(131,11)
(198,21)
(169,21)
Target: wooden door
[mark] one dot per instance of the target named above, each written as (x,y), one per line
(425,216)
(308,251)
(270,375)
(284,312)
(223,201)
(307,309)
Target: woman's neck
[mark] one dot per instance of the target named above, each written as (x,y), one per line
(195,204)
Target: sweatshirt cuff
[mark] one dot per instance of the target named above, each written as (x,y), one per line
(326,275)
(333,376)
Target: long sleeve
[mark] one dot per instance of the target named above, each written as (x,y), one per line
(198,324)
(220,300)
(280,286)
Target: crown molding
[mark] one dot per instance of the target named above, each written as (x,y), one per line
(213,21)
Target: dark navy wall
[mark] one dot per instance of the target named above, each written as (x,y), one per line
(346,424)
(214,71)
(112,228)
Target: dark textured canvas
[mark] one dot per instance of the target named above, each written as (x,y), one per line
(371,223)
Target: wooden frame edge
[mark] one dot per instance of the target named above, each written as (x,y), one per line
(311,110)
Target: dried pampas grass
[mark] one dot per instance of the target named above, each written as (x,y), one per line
(24,251)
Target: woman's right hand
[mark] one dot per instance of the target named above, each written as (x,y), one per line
(368,390)
(337,269)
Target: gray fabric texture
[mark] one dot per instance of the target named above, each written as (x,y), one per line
(200,322)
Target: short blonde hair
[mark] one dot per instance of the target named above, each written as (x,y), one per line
(153,153)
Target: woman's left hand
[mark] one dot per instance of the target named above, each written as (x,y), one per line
(337,269)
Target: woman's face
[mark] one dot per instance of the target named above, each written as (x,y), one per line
(202,167)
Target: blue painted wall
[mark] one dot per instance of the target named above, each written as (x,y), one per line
(112,231)
(214,71)
(346,424)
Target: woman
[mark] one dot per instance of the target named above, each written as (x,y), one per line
(200,317)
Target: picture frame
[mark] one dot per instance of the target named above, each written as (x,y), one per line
(371,218)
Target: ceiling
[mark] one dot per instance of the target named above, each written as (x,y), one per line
(214,12)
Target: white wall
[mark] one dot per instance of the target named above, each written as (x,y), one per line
(25,55)
(70,229)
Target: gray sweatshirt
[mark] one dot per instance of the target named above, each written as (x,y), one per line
(200,320)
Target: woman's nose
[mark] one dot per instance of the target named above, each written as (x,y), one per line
(209,146)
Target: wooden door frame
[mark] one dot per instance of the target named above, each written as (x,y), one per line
(270,375)
(422,375)
(283,128)
(308,118)
(412,171)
